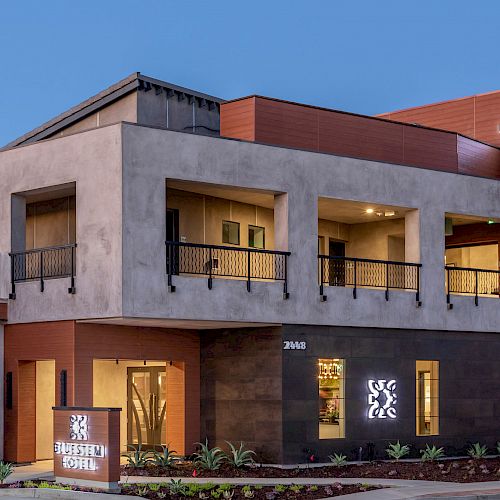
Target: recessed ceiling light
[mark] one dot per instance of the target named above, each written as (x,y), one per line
(369,210)
(389,213)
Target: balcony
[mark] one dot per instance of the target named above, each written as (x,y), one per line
(41,264)
(368,273)
(470,281)
(214,261)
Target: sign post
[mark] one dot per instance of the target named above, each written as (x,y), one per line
(87,446)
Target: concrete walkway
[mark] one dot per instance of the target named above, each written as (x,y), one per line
(397,489)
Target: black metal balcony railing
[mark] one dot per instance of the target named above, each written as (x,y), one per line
(471,281)
(41,264)
(215,261)
(368,273)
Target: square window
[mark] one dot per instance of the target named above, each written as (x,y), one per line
(256,237)
(427,400)
(230,232)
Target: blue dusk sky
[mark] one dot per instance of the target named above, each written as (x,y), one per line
(365,56)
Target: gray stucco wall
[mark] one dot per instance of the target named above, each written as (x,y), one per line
(150,156)
(92,160)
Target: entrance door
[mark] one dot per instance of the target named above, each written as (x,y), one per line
(337,266)
(146,406)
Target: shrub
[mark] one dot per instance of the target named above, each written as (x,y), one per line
(209,458)
(477,451)
(431,454)
(6,469)
(247,491)
(164,458)
(397,451)
(138,459)
(177,487)
(239,457)
(338,459)
(280,488)
(154,486)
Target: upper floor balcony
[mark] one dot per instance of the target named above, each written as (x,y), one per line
(234,229)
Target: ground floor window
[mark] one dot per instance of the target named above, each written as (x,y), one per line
(331,373)
(427,403)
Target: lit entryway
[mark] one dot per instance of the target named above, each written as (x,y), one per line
(45,400)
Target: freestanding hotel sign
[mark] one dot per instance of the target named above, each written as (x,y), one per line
(87,446)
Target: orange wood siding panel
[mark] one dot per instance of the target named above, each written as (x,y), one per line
(475,158)
(488,118)
(4,307)
(304,127)
(467,234)
(237,119)
(25,344)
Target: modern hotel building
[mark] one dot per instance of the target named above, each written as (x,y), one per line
(293,277)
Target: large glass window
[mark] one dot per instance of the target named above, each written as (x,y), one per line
(256,237)
(331,375)
(427,404)
(230,232)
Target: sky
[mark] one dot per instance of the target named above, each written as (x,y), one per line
(364,56)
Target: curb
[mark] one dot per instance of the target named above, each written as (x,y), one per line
(54,493)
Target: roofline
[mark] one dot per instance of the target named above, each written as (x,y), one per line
(378,117)
(438,103)
(123,87)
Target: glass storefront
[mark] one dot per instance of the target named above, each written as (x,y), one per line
(331,373)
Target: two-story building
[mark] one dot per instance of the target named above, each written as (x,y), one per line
(293,277)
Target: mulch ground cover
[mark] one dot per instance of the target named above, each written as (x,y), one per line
(459,470)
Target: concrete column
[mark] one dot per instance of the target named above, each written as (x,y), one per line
(18,223)
(281,222)
(412,236)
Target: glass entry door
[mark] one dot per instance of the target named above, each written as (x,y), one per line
(147,406)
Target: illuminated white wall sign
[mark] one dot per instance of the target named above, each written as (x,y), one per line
(382,391)
(79,456)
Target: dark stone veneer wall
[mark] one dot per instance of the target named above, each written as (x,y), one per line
(254,391)
(469,387)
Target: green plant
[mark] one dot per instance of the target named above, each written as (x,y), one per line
(280,488)
(227,495)
(397,451)
(296,488)
(161,495)
(477,451)
(177,487)
(43,484)
(6,469)
(313,488)
(431,454)
(154,486)
(209,458)
(142,491)
(138,459)
(29,484)
(338,459)
(164,458)
(215,493)
(247,491)
(239,457)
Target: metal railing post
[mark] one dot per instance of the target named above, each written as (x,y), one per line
(286,295)
(248,271)
(386,281)
(72,288)
(42,284)
(476,298)
(210,266)
(322,278)
(354,290)
(170,268)
(12,294)
(418,286)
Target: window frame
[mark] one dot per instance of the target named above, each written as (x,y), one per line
(239,232)
(263,236)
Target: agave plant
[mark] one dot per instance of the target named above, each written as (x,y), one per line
(137,459)
(338,459)
(432,453)
(397,450)
(177,487)
(477,451)
(6,469)
(209,458)
(239,457)
(165,458)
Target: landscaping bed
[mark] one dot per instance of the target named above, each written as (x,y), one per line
(459,470)
(179,489)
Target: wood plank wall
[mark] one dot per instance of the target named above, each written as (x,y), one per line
(475,116)
(306,127)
